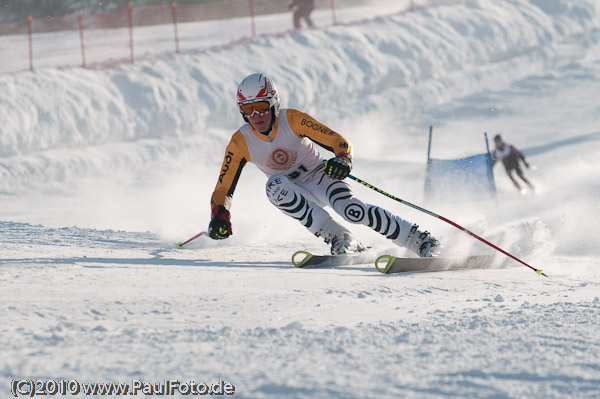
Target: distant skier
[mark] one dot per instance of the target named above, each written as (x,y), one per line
(302,10)
(280,142)
(510,156)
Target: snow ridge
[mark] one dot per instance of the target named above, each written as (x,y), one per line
(431,57)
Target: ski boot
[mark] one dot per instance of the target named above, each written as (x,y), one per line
(340,238)
(422,243)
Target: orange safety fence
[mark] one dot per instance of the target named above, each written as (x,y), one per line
(142,32)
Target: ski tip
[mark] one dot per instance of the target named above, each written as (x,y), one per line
(304,257)
(179,245)
(388,260)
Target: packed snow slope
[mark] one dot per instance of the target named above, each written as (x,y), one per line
(102,171)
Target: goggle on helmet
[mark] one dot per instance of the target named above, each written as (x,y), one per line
(255,89)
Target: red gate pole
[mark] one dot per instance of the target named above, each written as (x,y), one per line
(80,23)
(252,25)
(30,31)
(412,5)
(130,15)
(174,7)
(332,2)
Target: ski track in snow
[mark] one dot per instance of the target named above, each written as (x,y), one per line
(118,306)
(102,171)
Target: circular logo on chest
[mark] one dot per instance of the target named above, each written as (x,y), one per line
(280,157)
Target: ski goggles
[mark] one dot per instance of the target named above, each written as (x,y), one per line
(261,107)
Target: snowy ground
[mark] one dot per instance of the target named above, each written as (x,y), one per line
(102,171)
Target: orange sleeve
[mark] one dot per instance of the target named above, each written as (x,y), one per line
(304,125)
(236,157)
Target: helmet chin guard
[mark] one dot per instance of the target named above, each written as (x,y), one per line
(258,87)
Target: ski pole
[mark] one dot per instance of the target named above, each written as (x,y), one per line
(181,244)
(364,183)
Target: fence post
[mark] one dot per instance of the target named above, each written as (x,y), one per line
(30,31)
(334,21)
(252,26)
(174,7)
(130,15)
(80,23)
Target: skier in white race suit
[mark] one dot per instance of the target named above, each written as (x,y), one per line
(280,142)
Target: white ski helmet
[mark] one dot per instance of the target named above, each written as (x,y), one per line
(258,87)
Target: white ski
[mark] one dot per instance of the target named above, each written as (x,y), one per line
(388,264)
(305,259)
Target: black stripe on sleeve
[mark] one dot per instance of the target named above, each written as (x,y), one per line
(236,178)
